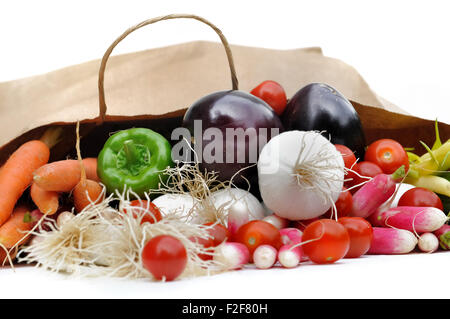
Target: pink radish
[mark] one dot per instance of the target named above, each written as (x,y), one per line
(237,216)
(277,221)
(290,255)
(264,256)
(428,242)
(374,193)
(390,241)
(443,234)
(291,235)
(412,218)
(232,255)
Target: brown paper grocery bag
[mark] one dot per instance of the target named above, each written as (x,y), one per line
(153,88)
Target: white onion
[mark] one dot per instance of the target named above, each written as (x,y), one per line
(239,200)
(229,200)
(301,174)
(181,204)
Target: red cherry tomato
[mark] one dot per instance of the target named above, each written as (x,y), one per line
(151,213)
(326,241)
(388,155)
(420,197)
(273,94)
(360,232)
(164,256)
(347,155)
(205,242)
(302,224)
(256,233)
(363,168)
(219,233)
(343,204)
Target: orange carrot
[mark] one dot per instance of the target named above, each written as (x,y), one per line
(85,193)
(87,190)
(13,231)
(17,174)
(46,201)
(90,164)
(60,176)
(64,175)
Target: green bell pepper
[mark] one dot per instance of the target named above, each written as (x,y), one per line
(135,159)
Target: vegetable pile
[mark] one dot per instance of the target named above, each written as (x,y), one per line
(306,187)
(135,212)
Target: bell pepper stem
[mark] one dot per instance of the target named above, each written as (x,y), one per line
(131,152)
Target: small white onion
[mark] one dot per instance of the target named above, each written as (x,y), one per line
(238,200)
(174,203)
(229,200)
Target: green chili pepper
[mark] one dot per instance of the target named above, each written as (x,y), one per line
(135,159)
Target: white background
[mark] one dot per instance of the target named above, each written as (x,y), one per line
(401,48)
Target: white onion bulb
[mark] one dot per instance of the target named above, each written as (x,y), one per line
(240,200)
(301,174)
(181,204)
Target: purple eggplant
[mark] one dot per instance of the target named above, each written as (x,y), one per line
(320,107)
(228,113)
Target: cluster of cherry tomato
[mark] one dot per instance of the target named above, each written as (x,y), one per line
(383,156)
(323,240)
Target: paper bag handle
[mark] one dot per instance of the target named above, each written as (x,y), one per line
(101,75)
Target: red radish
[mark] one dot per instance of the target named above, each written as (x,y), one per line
(412,218)
(374,193)
(232,255)
(236,218)
(277,221)
(443,234)
(265,256)
(291,235)
(290,255)
(428,242)
(391,241)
